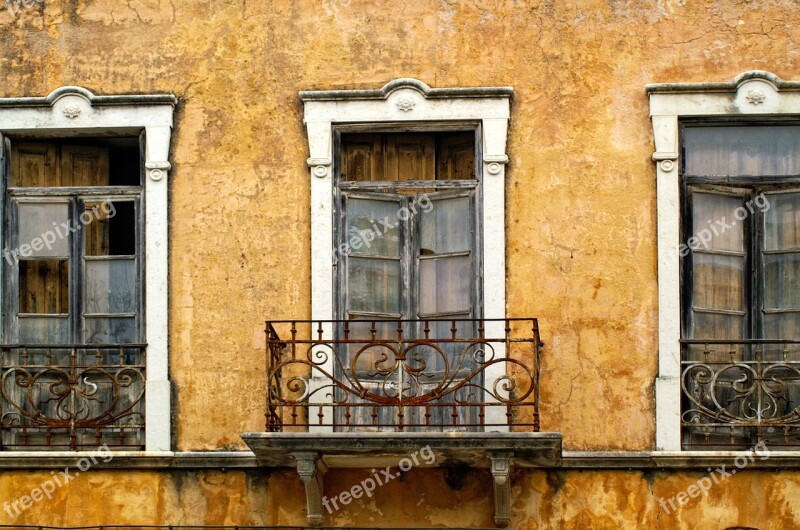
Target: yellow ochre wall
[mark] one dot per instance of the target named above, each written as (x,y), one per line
(580,220)
(568,500)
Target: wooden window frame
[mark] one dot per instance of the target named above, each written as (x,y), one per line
(73,196)
(341,187)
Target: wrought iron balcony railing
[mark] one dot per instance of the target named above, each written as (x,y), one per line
(738,393)
(72,397)
(403,375)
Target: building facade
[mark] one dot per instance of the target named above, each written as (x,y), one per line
(463,264)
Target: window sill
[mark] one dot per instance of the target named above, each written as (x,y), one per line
(701,460)
(31,460)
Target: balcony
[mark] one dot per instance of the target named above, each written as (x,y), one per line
(72,397)
(408,375)
(739,393)
(369,393)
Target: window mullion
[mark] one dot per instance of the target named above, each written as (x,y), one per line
(757,284)
(76,273)
(411,251)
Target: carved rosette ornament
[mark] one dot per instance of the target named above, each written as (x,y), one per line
(406,104)
(756,97)
(72,111)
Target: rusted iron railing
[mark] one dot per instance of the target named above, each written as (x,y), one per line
(738,393)
(403,375)
(72,397)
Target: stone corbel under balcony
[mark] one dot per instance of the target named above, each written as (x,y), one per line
(314,454)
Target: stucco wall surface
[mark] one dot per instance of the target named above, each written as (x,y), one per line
(541,500)
(580,186)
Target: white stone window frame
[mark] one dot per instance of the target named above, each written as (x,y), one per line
(75,111)
(753,93)
(408,101)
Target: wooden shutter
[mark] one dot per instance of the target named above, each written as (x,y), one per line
(84,166)
(34,165)
(455,156)
(410,157)
(362,157)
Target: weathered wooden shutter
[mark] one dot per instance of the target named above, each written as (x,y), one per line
(410,157)
(455,157)
(84,166)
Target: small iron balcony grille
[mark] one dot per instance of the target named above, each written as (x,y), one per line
(739,393)
(72,397)
(403,375)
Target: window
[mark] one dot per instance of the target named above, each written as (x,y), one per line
(741,277)
(430,163)
(728,182)
(73,242)
(407,245)
(84,355)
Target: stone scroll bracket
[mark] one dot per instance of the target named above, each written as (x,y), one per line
(314,454)
(312,471)
(501,462)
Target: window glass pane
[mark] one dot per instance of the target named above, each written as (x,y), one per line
(110,330)
(781,326)
(444,225)
(44,287)
(111,286)
(367,233)
(718,281)
(742,151)
(373,285)
(41,233)
(782,221)
(43,330)
(110,228)
(445,285)
(715,224)
(717,326)
(366,360)
(782,281)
